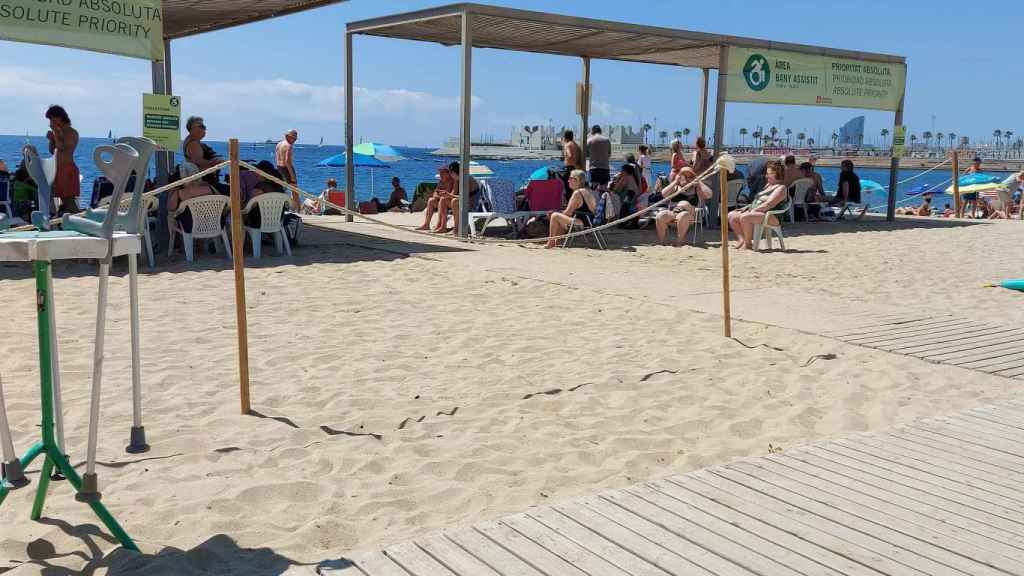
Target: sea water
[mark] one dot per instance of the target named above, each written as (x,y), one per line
(420,165)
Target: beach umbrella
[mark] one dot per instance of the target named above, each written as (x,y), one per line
(359,161)
(541,174)
(870,186)
(381,152)
(977,182)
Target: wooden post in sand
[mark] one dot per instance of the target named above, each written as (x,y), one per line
(237,249)
(723,193)
(957,207)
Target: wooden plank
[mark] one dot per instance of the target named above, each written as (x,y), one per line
(913,554)
(594,542)
(932,540)
(942,530)
(1014,373)
(752,544)
(453,557)
(809,556)
(972,352)
(415,561)
(968,436)
(884,326)
(971,450)
(947,343)
(748,509)
(671,541)
(985,465)
(566,549)
(867,322)
(944,327)
(988,435)
(526,550)
(501,560)
(664,558)
(377,564)
(930,510)
(698,533)
(1000,420)
(1003,365)
(950,325)
(942,465)
(985,356)
(955,483)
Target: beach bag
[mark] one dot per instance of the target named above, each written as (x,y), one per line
(367,207)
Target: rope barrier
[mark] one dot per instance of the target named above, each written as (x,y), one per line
(346,212)
(150,194)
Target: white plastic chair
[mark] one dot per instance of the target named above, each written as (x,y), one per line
(207,212)
(800,188)
(735,187)
(271,207)
(764,230)
(42,173)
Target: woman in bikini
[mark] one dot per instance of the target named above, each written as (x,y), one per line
(445,187)
(63,140)
(742,222)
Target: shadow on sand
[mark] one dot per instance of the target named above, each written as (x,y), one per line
(218,555)
(319,245)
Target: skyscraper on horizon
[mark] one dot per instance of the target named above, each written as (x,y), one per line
(851,134)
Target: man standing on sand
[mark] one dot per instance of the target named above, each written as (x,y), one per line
(285,160)
(599,149)
(572,156)
(63,140)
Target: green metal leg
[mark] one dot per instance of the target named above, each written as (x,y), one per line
(44,485)
(54,456)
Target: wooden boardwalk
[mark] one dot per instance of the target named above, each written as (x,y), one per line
(944,339)
(936,497)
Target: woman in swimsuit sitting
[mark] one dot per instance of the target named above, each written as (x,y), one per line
(444,189)
(682,214)
(583,200)
(742,222)
(678,159)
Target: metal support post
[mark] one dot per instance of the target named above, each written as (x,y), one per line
(350,170)
(465,140)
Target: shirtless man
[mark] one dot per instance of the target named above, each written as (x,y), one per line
(63,140)
(284,158)
(572,156)
(971,200)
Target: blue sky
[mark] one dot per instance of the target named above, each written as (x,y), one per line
(256,81)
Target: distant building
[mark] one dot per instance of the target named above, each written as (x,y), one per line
(851,134)
(536,137)
(623,135)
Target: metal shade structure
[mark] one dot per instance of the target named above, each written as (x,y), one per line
(189,17)
(470,25)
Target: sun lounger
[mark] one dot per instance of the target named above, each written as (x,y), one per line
(500,199)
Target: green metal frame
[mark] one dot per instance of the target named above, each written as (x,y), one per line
(48,446)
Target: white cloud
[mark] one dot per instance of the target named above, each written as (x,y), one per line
(606,112)
(250,110)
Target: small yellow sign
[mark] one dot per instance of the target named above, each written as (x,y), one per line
(161,120)
(899,140)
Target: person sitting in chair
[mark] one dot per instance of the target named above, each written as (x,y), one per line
(583,200)
(193,189)
(450,204)
(445,186)
(742,222)
(682,214)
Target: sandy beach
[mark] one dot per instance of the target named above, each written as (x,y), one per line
(404,384)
